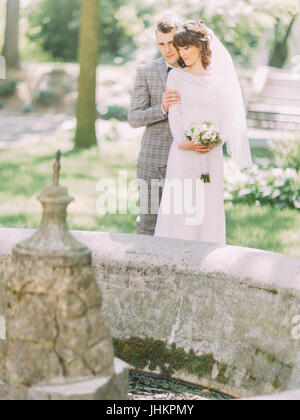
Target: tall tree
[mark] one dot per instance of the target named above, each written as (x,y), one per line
(11,43)
(88,58)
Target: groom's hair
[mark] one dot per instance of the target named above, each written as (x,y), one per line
(168,23)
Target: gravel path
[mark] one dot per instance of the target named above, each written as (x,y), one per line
(22,129)
(19,129)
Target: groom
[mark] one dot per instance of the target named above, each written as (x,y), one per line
(149,108)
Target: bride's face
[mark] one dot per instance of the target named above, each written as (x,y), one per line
(190,54)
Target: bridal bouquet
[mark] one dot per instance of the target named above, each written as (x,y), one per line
(204,133)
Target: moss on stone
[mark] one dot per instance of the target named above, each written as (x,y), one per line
(276,383)
(271,358)
(221,378)
(156,354)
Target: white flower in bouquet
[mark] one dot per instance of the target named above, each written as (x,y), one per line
(204,133)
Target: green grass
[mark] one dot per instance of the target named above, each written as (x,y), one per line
(264,228)
(262,153)
(25,171)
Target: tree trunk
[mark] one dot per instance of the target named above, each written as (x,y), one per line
(88,58)
(11,43)
(280,51)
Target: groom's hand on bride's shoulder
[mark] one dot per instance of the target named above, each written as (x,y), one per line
(169,98)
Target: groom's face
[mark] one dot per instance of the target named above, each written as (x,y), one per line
(166,46)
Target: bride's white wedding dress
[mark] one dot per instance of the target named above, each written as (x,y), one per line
(201,100)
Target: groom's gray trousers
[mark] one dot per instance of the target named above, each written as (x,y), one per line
(146,111)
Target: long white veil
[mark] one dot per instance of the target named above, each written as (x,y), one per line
(234,130)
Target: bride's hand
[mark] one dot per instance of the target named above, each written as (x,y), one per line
(188,145)
(199,148)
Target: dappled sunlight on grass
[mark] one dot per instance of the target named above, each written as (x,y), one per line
(264,228)
(20,220)
(108,223)
(25,172)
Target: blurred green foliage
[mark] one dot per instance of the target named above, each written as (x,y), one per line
(241,24)
(8,88)
(127,25)
(287,153)
(45,97)
(54,26)
(117,112)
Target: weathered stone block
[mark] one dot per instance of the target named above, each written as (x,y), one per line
(232,307)
(100,388)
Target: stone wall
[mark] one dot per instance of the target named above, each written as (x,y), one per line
(219,316)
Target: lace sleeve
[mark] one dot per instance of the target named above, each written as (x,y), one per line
(175,111)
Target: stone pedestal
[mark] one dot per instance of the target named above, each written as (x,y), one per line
(57,342)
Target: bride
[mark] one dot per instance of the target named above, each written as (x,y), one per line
(209,91)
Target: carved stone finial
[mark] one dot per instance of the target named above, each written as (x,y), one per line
(53,239)
(56,167)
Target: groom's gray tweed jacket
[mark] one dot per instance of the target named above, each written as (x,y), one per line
(145,111)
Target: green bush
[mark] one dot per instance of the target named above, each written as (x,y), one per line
(116,112)
(277,187)
(45,97)
(287,153)
(8,88)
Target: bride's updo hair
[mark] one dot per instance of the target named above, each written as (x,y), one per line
(195,33)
